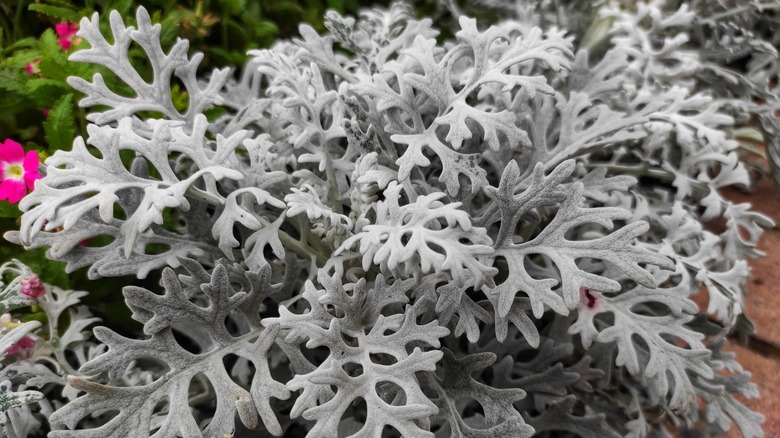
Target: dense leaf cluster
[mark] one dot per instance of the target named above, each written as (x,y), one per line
(387,231)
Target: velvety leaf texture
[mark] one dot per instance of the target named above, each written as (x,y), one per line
(161,316)
(445,226)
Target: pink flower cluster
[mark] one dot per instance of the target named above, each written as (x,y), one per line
(18,171)
(22,344)
(66,33)
(32,287)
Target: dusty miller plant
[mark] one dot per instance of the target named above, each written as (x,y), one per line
(386,232)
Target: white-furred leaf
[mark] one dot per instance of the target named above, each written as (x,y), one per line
(659,356)
(149,96)
(424,237)
(206,326)
(358,370)
(556,249)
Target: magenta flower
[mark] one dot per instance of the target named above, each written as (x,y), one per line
(67,34)
(32,287)
(22,344)
(16,171)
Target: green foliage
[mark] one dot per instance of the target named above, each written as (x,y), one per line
(59,126)
(224,30)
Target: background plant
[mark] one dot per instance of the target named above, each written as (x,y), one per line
(39,109)
(386,229)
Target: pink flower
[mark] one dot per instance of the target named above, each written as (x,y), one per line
(22,344)
(16,171)
(67,34)
(32,287)
(32,68)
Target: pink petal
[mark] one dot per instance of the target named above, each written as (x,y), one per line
(25,343)
(13,190)
(31,162)
(5,188)
(65,44)
(13,349)
(73,28)
(32,287)
(11,152)
(30,178)
(61,29)
(29,69)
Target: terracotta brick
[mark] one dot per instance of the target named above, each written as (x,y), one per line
(763,301)
(762,304)
(766,374)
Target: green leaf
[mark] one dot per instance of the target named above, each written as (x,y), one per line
(45,92)
(125,7)
(59,126)
(23,43)
(232,7)
(20,58)
(9,210)
(11,81)
(66,14)
(266,28)
(54,61)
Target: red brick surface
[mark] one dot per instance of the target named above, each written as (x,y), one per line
(763,308)
(762,304)
(766,374)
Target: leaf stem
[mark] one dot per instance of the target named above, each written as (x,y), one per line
(333,187)
(301,249)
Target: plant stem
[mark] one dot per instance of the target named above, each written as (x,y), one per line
(333,187)
(301,249)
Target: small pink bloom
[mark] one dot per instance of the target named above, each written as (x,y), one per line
(45,112)
(67,34)
(16,171)
(32,287)
(22,344)
(32,68)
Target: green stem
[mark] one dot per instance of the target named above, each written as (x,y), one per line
(17,29)
(301,249)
